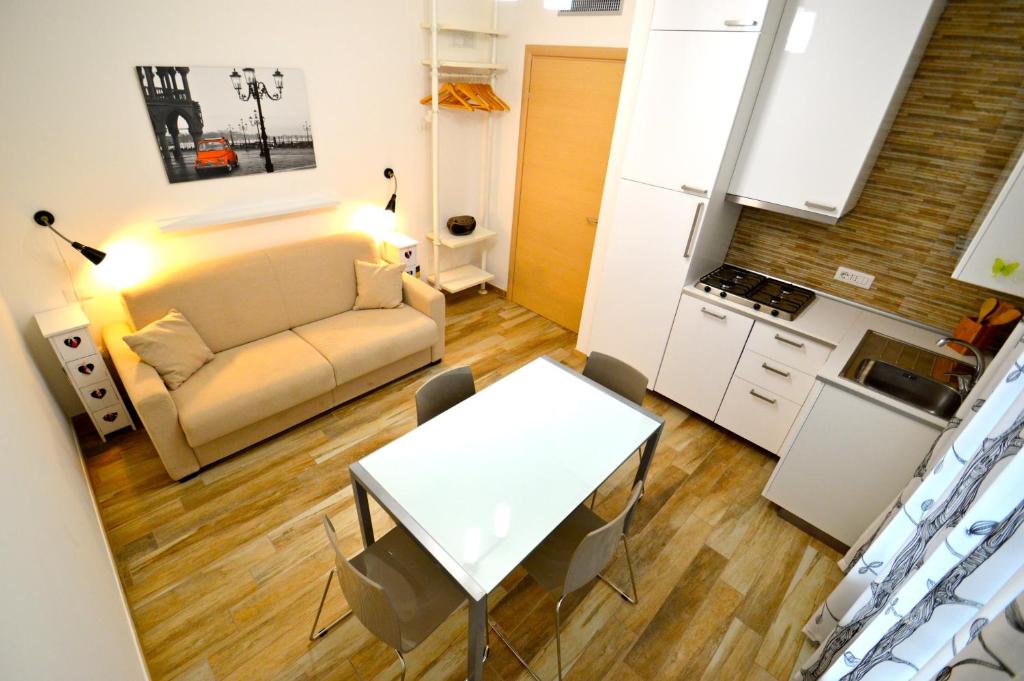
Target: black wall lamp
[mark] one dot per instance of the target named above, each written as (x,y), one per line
(390,174)
(45,218)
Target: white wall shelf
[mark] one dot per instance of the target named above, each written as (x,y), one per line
(456,28)
(451,241)
(462,278)
(466,66)
(244,213)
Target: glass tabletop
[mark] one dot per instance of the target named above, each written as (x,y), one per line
(488,479)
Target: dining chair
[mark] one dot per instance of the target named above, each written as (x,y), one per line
(619,377)
(442,392)
(572,556)
(394,588)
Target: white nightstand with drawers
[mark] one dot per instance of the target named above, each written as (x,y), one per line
(67,331)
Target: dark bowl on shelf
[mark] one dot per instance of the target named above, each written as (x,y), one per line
(462,225)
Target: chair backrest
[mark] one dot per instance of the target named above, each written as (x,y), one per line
(443,392)
(597,549)
(367,599)
(617,376)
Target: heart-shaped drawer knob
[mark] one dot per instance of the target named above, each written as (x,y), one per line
(111,417)
(86,368)
(408,254)
(99,393)
(73,342)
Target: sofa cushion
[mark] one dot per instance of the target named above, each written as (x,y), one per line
(317,277)
(230,302)
(361,341)
(248,383)
(172,347)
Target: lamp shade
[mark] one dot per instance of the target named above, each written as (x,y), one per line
(278,79)
(93,255)
(236,79)
(250,75)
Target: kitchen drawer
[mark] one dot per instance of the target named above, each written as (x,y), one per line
(112,418)
(756,414)
(774,376)
(88,370)
(74,345)
(803,354)
(99,395)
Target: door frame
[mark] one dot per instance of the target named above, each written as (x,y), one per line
(596,53)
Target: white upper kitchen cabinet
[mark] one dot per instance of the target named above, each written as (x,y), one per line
(702,353)
(709,15)
(651,237)
(689,92)
(995,257)
(835,80)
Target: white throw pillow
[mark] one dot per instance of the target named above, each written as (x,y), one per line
(171,346)
(378,285)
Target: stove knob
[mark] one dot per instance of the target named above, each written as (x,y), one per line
(707,289)
(757,306)
(723,294)
(775,313)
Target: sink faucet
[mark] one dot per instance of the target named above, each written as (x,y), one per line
(965,383)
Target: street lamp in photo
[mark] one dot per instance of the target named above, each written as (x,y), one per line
(255,89)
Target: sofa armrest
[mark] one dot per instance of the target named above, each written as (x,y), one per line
(428,300)
(153,402)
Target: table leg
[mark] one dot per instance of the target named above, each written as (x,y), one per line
(646,457)
(477,639)
(363,512)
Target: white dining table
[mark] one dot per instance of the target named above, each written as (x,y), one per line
(481,485)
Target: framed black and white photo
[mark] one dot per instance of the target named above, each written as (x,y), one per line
(212,122)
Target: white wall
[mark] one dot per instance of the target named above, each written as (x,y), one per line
(79,141)
(63,614)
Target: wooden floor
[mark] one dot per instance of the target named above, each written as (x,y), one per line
(223,572)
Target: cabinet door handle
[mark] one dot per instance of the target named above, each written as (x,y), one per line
(740,22)
(780,372)
(696,191)
(592,221)
(712,314)
(762,397)
(787,341)
(814,205)
(697,214)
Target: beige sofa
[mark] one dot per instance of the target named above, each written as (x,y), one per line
(287,345)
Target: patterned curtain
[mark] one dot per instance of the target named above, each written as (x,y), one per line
(932,588)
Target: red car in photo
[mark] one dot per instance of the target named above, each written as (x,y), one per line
(215,154)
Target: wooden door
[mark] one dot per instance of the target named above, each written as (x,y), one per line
(570,98)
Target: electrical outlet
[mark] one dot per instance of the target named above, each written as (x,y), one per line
(848,276)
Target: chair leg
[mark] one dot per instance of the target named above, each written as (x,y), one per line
(508,644)
(401,660)
(558,635)
(632,578)
(593,500)
(313,633)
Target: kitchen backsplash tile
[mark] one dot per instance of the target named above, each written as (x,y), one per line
(960,126)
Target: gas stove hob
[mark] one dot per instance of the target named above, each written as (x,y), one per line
(771,296)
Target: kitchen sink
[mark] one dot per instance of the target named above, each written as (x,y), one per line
(906,386)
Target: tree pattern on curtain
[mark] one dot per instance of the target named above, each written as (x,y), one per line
(924,566)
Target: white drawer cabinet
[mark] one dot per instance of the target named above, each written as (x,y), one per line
(67,330)
(780,379)
(703,349)
(709,15)
(757,414)
(651,231)
(846,460)
(1000,236)
(791,349)
(688,96)
(837,74)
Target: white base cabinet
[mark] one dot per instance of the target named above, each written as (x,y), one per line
(702,353)
(640,286)
(846,460)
